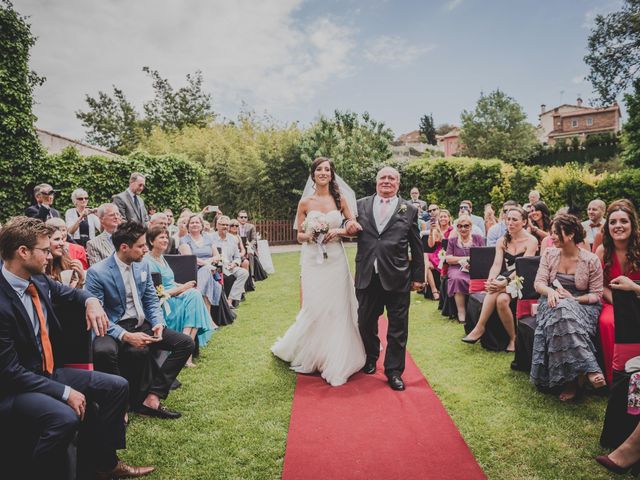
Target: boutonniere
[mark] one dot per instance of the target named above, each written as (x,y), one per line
(403,208)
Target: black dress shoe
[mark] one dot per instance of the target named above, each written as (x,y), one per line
(235,303)
(160,412)
(396,383)
(369,368)
(469,340)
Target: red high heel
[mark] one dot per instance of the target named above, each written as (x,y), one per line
(607,463)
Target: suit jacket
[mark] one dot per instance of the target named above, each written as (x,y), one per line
(41,212)
(20,359)
(104,281)
(99,248)
(250,234)
(390,247)
(128,209)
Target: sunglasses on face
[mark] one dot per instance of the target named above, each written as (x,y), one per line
(464,207)
(223,224)
(48,193)
(234,225)
(432,210)
(82,198)
(465,225)
(243,216)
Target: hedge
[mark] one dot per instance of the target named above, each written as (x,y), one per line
(171,180)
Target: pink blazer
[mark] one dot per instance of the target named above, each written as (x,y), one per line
(588,271)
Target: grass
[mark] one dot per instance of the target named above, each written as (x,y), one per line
(236,404)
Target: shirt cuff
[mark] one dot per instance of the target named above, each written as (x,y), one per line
(122,334)
(66,393)
(91,298)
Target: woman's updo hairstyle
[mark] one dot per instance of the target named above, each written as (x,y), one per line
(565,224)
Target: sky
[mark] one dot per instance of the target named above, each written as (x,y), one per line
(298,59)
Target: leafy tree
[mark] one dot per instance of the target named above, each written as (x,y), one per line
(497,128)
(614,51)
(358,144)
(19,145)
(112,122)
(427,129)
(631,129)
(444,128)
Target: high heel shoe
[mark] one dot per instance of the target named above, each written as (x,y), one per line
(469,340)
(607,463)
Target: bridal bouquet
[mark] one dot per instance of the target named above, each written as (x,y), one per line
(317,227)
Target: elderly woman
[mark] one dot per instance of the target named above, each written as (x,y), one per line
(569,281)
(187,312)
(60,261)
(76,252)
(195,243)
(458,249)
(81,221)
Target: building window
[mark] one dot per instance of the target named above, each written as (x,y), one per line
(589,121)
(574,123)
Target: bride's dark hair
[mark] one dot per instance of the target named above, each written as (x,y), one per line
(334,190)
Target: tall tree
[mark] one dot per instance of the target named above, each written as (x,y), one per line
(428,129)
(614,51)
(631,129)
(19,145)
(497,128)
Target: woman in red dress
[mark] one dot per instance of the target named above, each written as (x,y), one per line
(620,256)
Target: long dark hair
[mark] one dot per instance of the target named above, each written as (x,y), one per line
(633,248)
(541,207)
(334,190)
(525,217)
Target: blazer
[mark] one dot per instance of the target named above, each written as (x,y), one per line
(104,281)
(390,247)
(41,212)
(250,234)
(128,209)
(588,271)
(99,248)
(20,359)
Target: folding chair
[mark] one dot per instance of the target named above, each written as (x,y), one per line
(526,267)
(480,262)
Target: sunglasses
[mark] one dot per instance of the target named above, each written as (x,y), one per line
(234,225)
(223,224)
(465,225)
(82,198)
(48,193)
(464,207)
(432,210)
(243,216)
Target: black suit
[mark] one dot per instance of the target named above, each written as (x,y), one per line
(41,212)
(391,286)
(34,399)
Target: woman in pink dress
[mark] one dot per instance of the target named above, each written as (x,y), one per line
(620,257)
(438,232)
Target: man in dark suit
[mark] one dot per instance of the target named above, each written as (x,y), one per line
(136,324)
(43,210)
(36,390)
(129,202)
(385,274)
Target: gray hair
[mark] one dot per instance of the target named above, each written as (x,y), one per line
(38,188)
(102,209)
(157,216)
(135,176)
(224,217)
(396,172)
(76,192)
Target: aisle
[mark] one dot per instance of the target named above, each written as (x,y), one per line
(364,430)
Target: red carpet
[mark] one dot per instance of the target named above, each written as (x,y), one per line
(365,430)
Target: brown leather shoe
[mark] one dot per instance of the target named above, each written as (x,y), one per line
(122,470)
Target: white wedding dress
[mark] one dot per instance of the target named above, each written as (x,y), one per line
(325,336)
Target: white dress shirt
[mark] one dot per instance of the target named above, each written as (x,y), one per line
(133,308)
(377,203)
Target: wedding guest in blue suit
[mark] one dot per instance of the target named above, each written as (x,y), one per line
(48,401)
(136,324)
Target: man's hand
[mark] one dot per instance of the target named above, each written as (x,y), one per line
(417,286)
(138,339)
(77,402)
(353,228)
(96,317)
(157,332)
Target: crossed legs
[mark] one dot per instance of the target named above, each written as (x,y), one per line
(500,302)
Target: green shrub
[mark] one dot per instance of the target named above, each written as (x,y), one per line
(622,184)
(571,185)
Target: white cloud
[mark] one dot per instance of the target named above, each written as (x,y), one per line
(452,5)
(394,51)
(249,50)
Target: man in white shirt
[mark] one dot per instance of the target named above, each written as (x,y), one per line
(231,260)
(595,212)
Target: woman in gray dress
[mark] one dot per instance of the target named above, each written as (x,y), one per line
(569,282)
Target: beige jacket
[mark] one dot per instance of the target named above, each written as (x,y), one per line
(588,271)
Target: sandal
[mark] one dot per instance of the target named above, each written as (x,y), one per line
(596,380)
(436,296)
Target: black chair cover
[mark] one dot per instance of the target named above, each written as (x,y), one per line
(184,267)
(259,272)
(480,260)
(527,268)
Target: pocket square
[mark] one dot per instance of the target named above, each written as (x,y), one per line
(143,277)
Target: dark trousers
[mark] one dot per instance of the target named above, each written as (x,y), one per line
(47,425)
(371,303)
(138,364)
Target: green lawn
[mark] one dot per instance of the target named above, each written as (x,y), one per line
(236,404)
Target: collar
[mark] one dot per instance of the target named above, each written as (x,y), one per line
(133,195)
(121,265)
(19,284)
(390,199)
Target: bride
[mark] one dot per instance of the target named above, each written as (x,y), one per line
(325,335)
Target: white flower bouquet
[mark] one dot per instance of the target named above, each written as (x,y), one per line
(317,227)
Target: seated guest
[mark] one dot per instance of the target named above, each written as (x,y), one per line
(136,324)
(101,247)
(76,252)
(620,257)
(466,208)
(593,226)
(61,261)
(234,226)
(247,232)
(81,221)
(440,229)
(458,249)
(43,208)
(129,202)
(173,228)
(500,228)
(539,221)
(36,390)
(161,220)
(181,230)
(231,259)
(187,312)
(569,281)
(624,458)
(489,217)
(194,243)
(517,242)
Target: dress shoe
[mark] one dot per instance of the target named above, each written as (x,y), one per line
(122,470)
(160,412)
(235,303)
(396,383)
(469,340)
(369,368)
(607,463)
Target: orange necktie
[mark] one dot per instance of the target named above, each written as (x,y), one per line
(47,351)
